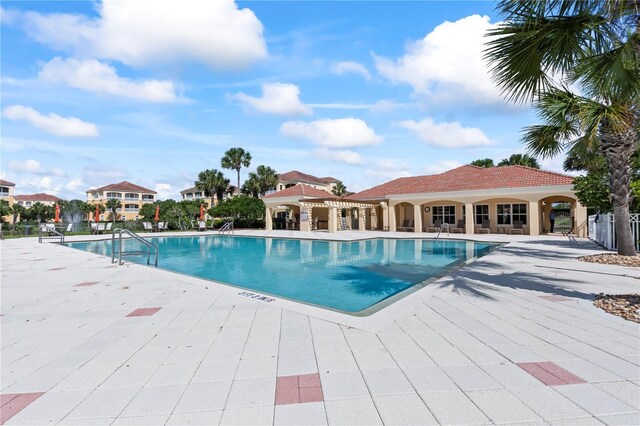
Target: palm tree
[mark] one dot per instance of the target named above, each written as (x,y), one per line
(113,204)
(235,159)
(543,47)
(5,209)
(520,160)
(251,186)
(41,211)
(483,162)
(339,190)
(212,182)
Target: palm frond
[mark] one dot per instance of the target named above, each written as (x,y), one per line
(544,141)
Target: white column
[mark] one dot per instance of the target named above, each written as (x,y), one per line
(362,219)
(333,219)
(469,227)
(385,216)
(268,220)
(417,218)
(305,225)
(392,218)
(534,218)
(581,220)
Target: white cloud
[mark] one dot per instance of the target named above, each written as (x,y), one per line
(277,98)
(52,123)
(7,16)
(332,133)
(93,76)
(446,135)
(342,156)
(447,64)
(351,67)
(142,32)
(75,184)
(442,166)
(165,191)
(28,166)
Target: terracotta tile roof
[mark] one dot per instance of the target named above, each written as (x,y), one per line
(37,197)
(300,190)
(123,186)
(192,189)
(468,178)
(296,176)
(6,183)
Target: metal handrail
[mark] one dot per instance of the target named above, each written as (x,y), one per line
(442,227)
(135,236)
(49,230)
(227,227)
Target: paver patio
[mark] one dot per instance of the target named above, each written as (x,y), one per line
(510,337)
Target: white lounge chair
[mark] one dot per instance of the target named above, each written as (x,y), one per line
(202,225)
(147,226)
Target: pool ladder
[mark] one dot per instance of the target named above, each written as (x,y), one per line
(148,245)
(444,226)
(227,227)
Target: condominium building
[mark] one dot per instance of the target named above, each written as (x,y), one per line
(132,197)
(42,198)
(6,191)
(193,193)
(294,177)
(6,194)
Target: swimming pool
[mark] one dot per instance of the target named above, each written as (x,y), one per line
(355,277)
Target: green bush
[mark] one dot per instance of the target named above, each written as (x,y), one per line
(243,210)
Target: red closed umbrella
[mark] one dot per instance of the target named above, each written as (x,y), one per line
(157,218)
(57,218)
(96,215)
(201,211)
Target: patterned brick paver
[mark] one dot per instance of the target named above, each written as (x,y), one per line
(143,312)
(550,374)
(56,269)
(555,298)
(298,389)
(87,283)
(12,404)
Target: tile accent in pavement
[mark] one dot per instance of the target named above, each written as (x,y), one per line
(87,283)
(550,374)
(143,312)
(12,403)
(298,389)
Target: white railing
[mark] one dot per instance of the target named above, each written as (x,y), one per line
(603,231)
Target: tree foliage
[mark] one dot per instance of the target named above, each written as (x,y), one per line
(244,210)
(542,49)
(212,182)
(339,190)
(235,159)
(520,160)
(483,162)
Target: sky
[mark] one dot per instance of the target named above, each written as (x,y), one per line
(153,92)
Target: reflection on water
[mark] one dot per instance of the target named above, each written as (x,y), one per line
(348,276)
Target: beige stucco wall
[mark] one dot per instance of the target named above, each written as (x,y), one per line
(101,199)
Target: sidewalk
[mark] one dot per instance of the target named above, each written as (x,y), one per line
(511,338)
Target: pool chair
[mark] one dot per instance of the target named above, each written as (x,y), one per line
(459,228)
(202,225)
(407,226)
(517,228)
(485,228)
(163,226)
(437,224)
(148,227)
(108,227)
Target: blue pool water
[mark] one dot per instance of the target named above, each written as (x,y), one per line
(345,276)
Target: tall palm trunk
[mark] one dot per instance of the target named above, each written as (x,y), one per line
(617,148)
(238,187)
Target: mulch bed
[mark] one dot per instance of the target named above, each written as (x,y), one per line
(613,259)
(626,306)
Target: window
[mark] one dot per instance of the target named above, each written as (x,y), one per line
(446,214)
(132,197)
(114,195)
(481,213)
(508,213)
(520,213)
(198,194)
(96,195)
(4,191)
(131,208)
(28,203)
(147,198)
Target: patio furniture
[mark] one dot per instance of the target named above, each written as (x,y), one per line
(163,226)
(459,228)
(437,224)
(485,228)
(314,224)
(202,225)
(517,228)
(108,227)
(407,226)
(148,227)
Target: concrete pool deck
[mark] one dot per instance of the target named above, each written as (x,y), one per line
(512,337)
